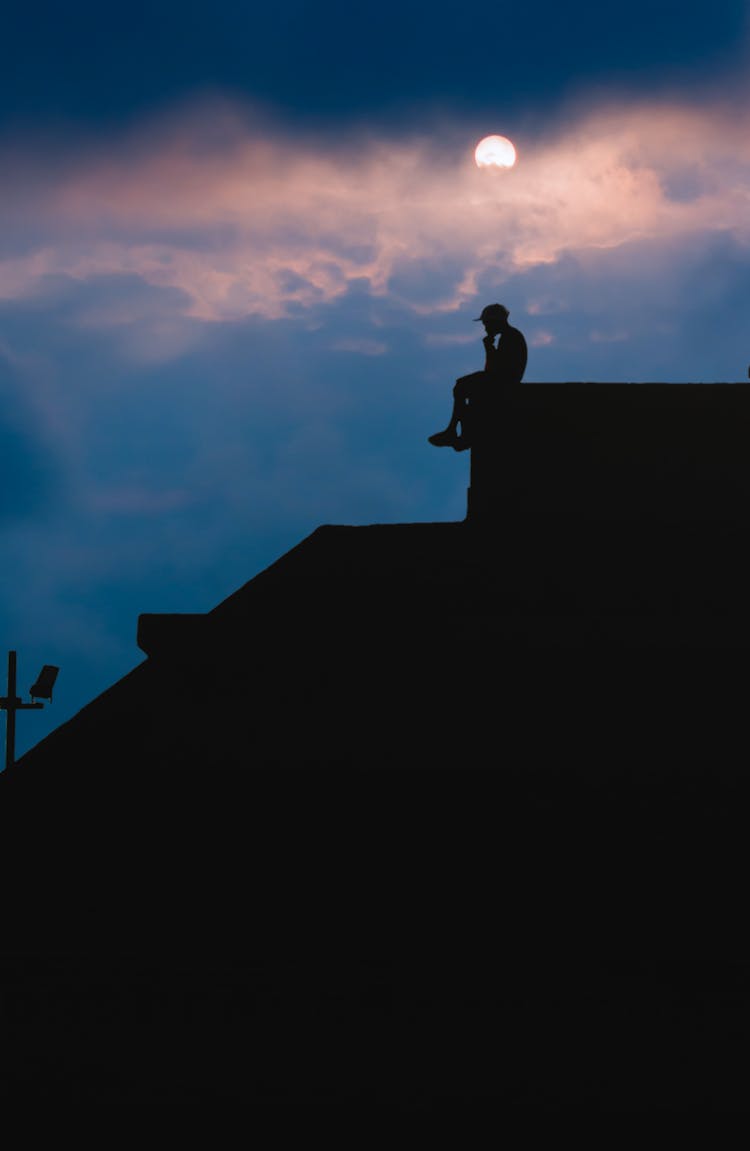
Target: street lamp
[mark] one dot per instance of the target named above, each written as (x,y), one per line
(11,703)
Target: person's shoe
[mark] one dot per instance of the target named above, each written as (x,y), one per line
(446,439)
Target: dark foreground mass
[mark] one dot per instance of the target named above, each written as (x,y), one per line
(424,812)
(559,1035)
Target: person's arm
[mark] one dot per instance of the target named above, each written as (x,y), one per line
(490,353)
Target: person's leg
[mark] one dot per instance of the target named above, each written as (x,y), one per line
(461,403)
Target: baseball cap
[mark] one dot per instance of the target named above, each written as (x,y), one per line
(492,310)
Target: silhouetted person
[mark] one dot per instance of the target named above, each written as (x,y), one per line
(504,364)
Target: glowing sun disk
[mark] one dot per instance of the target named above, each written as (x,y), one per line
(495,152)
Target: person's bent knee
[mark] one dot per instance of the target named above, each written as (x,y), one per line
(466,385)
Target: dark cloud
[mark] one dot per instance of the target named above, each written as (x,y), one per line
(337,61)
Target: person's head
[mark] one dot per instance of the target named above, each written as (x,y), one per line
(495,318)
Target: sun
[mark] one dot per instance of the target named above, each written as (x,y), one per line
(495,152)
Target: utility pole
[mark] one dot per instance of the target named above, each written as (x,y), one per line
(11,703)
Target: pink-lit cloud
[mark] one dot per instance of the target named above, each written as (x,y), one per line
(261,224)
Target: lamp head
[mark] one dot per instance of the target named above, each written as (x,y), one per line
(45,681)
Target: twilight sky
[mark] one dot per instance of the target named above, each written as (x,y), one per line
(240,255)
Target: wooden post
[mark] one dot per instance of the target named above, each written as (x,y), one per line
(11,703)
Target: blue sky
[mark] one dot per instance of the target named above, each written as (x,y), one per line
(240,256)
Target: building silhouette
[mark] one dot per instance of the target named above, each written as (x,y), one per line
(426,812)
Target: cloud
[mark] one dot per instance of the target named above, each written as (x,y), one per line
(263,224)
